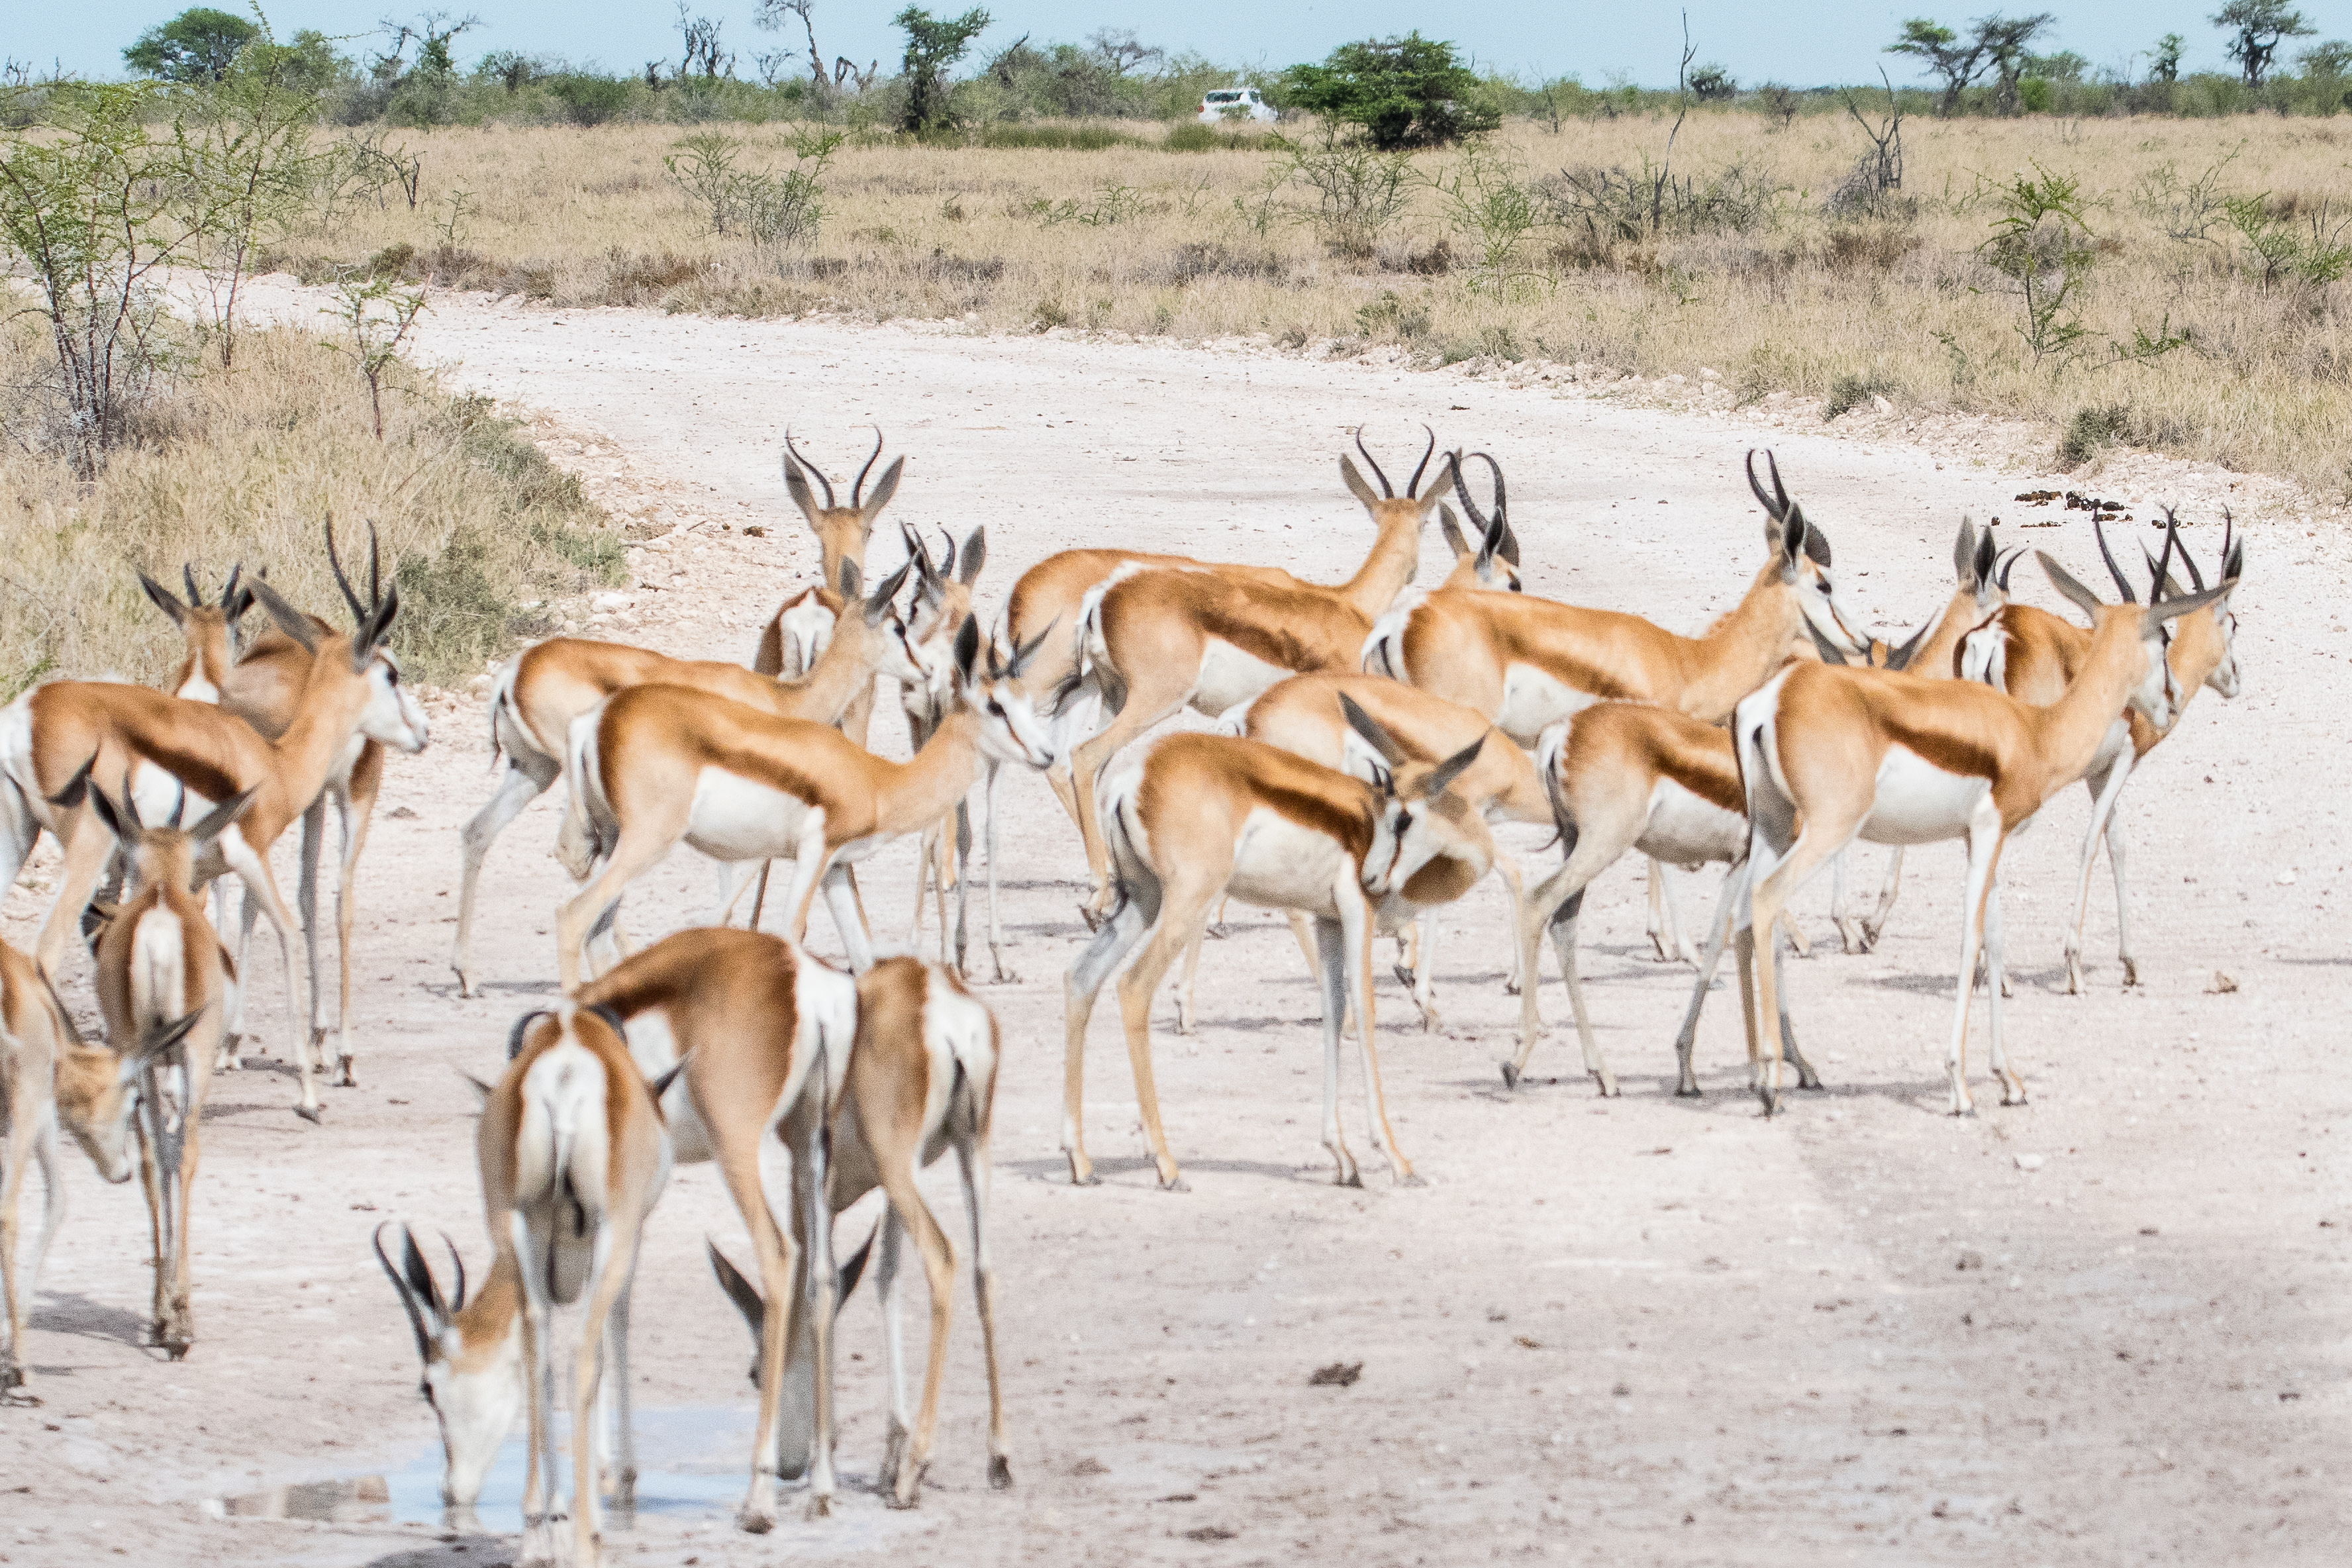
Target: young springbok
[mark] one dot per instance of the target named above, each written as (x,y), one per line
(161,970)
(1829,753)
(1157,640)
(544,689)
(1201,816)
(2034,655)
(657,764)
(797,633)
(49,1075)
(169,749)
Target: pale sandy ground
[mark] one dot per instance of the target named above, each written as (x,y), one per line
(1647,1330)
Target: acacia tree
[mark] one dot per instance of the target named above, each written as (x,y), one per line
(2256,29)
(2004,40)
(2164,60)
(197,45)
(1960,62)
(1404,92)
(934,44)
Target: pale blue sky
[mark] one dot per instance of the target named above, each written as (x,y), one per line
(1834,41)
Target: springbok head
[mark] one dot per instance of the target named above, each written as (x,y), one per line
(1409,830)
(2157,688)
(841,531)
(1391,511)
(472,1354)
(209,627)
(98,1086)
(388,714)
(1010,728)
(2204,642)
(1494,561)
(1800,552)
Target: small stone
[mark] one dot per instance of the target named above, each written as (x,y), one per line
(2029,1161)
(1971,1259)
(2286,879)
(2222,985)
(1882,405)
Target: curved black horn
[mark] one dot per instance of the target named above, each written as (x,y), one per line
(946,567)
(457,1264)
(1413,486)
(2122,586)
(1776,512)
(375,570)
(359,611)
(195,594)
(1462,493)
(228,592)
(407,1296)
(808,467)
(2003,565)
(1386,488)
(521,1028)
(857,493)
(1778,489)
(2229,568)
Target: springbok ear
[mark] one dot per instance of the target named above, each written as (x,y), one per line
(522,1027)
(1451,530)
(1510,549)
(1900,658)
(122,823)
(975,556)
(851,577)
(409,1302)
(1967,557)
(1355,482)
(165,600)
(482,1091)
(1446,772)
(1382,743)
(216,821)
(878,603)
(1027,651)
(71,797)
(1492,545)
(1434,497)
(1792,542)
(291,621)
(884,489)
(797,485)
(967,649)
(1816,542)
(2186,604)
(740,1289)
(159,1039)
(2068,589)
(1831,653)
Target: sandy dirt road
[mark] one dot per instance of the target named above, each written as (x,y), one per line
(1646,1329)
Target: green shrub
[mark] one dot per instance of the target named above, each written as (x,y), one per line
(590,100)
(1404,92)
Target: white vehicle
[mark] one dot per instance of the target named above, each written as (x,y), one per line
(1235,103)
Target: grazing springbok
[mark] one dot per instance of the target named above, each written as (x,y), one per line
(263,686)
(544,689)
(1304,716)
(653,765)
(1156,640)
(167,747)
(49,1075)
(923,1080)
(1829,753)
(2034,656)
(1203,817)
(162,972)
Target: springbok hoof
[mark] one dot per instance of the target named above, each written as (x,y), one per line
(1000,1473)
(314,1114)
(1510,1075)
(819,1507)
(1412,1179)
(1173,1184)
(1086,913)
(755,1521)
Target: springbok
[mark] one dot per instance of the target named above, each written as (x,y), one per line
(48,1074)
(1527,663)
(657,764)
(263,686)
(1156,640)
(942,604)
(56,734)
(2034,656)
(162,970)
(797,633)
(1303,715)
(544,689)
(1205,815)
(923,1080)
(1829,753)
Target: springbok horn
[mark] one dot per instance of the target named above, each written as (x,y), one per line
(228,593)
(947,566)
(2123,586)
(857,493)
(1386,488)
(1778,488)
(1413,488)
(1462,491)
(375,570)
(2007,565)
(359,611)
(1775,513)
(457,1265)
(809,468)
(195,594)
(407,1295)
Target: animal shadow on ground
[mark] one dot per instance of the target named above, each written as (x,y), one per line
(1057,1169)
(471,1551)
(70,1312)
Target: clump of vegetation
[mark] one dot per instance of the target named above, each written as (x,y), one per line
(1400,93)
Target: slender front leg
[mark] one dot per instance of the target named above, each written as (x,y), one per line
(841,902)
(1515,888)
(888,1251)
(357,807)
(517,790)
(1875,924)
(254,872)
(1331,976)
(1727,909)
(305,898)
(1182,914)
(824,1297)
(939,1272)
(1984,856)
(2105,792)
(2123,901)
(1356,924)
(971,1159)
(995,924)
(2012,1087)
(1424,972)
(1112,943)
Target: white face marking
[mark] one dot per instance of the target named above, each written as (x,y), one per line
(1010,729)
(1919,802)
(1533,698)
(804,631)
(392,715)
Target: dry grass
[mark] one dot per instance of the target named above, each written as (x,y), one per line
(1144,241)
(245,467)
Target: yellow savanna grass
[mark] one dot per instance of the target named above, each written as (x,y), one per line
(1798,299)
(246,467)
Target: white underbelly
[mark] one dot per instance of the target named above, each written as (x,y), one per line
(1686,829)
(1229,676)
(1533,698)
(1279,865)
(736,818)
(1919,802)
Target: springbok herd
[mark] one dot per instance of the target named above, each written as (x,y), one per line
(1368,733)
